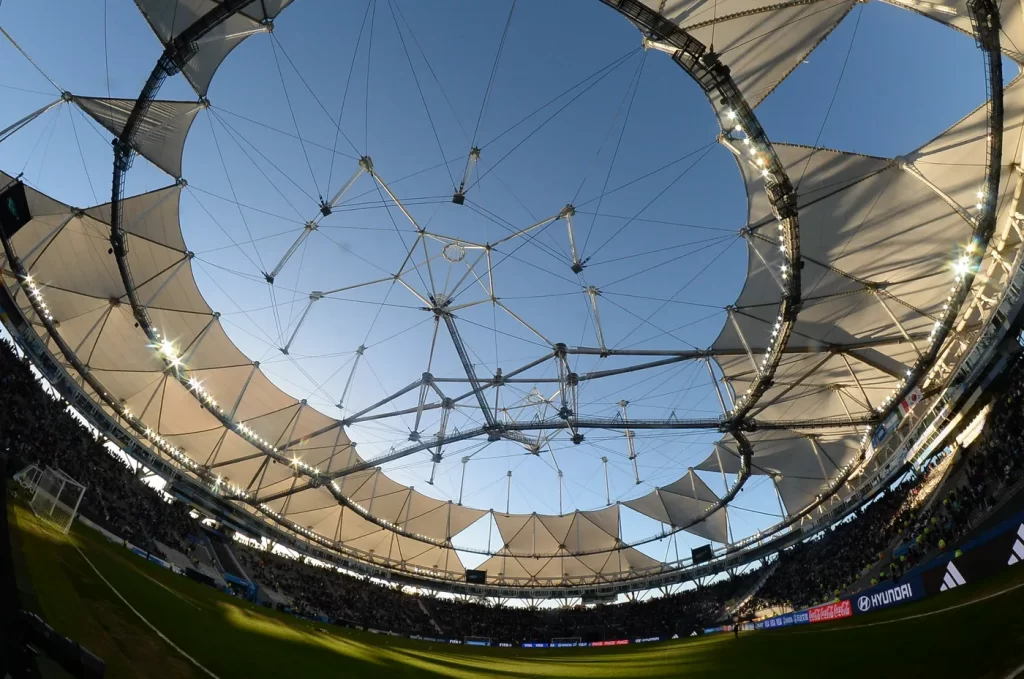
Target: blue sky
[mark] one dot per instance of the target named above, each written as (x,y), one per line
(662,248)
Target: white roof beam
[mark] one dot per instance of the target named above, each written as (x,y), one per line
(45,241)
(592,294)
(191,349)
(739,331)
(19,124)
(896,321)
(313,297)
(365,165)
(163,284)
(911,169)
(800,380)
(856,381)
(309,228)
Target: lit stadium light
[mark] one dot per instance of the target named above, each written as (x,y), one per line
(962,265)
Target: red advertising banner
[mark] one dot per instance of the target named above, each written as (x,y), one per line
(833,611)
(617,642)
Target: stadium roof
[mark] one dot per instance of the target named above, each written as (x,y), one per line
(877,237)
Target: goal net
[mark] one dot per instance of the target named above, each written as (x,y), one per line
(55,495)
(565,642)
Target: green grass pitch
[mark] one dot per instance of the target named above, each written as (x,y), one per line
(231,638)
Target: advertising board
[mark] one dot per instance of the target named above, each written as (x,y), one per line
(828,612)
(888,594)
(977,562)
(646,640)
(785,620)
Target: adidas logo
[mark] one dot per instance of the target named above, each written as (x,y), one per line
(952,579)
(1018,547)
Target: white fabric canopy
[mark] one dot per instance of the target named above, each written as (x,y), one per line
(685,502)
(169,18)
(160,136)
(760,42)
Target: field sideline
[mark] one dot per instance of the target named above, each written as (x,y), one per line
(231,638)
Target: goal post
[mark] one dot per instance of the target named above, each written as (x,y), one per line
(55,496)
(566,642)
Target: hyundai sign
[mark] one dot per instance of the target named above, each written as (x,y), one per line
(888,594)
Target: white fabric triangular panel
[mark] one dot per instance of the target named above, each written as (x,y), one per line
(762,48)
(584,535)
(215,47)
(169,18)
(691,486)
(686,511)
(798,493)
(426,516)
(160,137)
(260,398)
(636,560)
(714,528)
(309,506)
(218,351)
(533,538)
(354,527)
(501,566)
(606,519)
(462,518)
(318,450)
(327,523)
(687,500)
(276,425)
(389,501)
(180,412)
(955,161)
(760,41)
(650,505)
(955,14)
(558,526)
(152,215)
(76,260)
(509,525)
(123,346)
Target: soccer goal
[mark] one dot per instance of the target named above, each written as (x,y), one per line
(566,642)
(55,495)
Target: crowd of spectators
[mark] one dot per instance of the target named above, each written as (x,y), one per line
(993,465)
(38,427)
(317,591)
(817,570)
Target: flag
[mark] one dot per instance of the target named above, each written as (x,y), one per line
(912,399)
